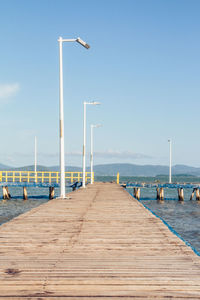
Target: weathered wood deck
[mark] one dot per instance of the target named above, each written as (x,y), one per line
(100,243)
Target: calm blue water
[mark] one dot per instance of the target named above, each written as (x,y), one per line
(183,217)
(16,205)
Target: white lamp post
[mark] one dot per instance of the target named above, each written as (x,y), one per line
(170,161)
(91,151)
(84,135)
(62,152)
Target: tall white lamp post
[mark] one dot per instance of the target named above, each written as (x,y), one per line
(170,161)
(84,134)
(91,150)
(61,114)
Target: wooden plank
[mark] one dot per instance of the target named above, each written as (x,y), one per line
(99,243)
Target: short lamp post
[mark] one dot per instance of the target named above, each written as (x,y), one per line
(84,135)
(35,162)
(170,160)
(91,150)
(61,112)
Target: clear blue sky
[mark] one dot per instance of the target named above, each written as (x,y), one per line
(143,66)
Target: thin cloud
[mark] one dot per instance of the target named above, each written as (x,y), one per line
(122,155)
(103,154)
(8,90)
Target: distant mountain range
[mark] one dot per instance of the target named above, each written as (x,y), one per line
(123,169)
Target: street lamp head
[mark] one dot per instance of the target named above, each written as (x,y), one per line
(84,44)
(95,103)
(92,103)
(97,125)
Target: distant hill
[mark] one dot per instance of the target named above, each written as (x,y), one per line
(130,170)
(30,168)
(144,170)
(123,169)
(67,169)
(4,167)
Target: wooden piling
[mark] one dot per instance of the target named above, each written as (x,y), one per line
(161,193)
(6,194)
(180,194)
(9,195)
(136,193)
(197,194)
(158,193)
(191,197)
(25,195)
(51,192)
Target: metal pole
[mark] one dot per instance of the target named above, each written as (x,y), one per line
(62,150)
(35,169)
(91,155)
(84,140)
(170,161)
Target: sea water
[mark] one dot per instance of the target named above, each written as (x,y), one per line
(16,205)
(183,217)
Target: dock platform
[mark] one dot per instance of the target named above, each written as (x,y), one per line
(99,244)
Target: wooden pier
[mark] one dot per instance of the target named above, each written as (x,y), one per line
(100,243)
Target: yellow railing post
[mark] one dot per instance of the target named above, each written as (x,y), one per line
(20,176)
(92,176)
(118,178)
(49,177)
(72,179)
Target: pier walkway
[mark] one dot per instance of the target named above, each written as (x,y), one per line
(99,244)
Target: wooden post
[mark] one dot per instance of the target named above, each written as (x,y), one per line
(9,195)
(134,192)
(158,193)
(5,193)
(191,197)
(197,194)
(180,194)
(161,193)
(138,194)
(51,192)
(25,195)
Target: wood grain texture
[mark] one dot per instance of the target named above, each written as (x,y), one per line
(101,243)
